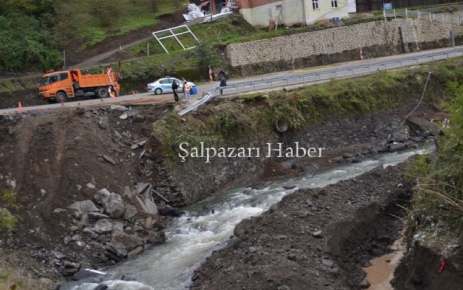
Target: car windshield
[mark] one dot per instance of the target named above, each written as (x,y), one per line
(43,81)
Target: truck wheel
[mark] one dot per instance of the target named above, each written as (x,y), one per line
(102,92)
(60,97)
(158,91)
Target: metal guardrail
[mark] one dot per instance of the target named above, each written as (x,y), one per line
(355,70)
(427,15)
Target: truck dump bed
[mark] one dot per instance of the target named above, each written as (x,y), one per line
(96,80)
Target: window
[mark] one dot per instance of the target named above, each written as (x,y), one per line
(165,81)
(63,76)
(53,78)
(334,3)
(315,4)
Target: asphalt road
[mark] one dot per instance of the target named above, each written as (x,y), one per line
(268,81)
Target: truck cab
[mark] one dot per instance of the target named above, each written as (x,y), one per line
(56,85)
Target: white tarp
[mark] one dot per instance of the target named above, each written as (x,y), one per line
(194,12)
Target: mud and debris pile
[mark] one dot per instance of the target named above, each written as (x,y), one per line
(82,198)
(313,239)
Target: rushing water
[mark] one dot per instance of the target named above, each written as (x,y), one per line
(207,226)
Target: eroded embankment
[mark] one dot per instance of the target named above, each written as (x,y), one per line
(76,187)
(313,239)
(362,117)
(56,160)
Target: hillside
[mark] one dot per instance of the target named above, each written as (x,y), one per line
(41,35)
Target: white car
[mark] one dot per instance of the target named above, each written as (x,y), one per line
(164,85)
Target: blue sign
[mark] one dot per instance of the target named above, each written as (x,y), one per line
(387,6)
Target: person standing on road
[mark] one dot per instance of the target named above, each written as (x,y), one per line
(174,89)
(187,88)
(183,87)
(223,83)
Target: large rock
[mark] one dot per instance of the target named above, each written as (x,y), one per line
(399,136)
(101,195)
(84,206)
(112,202)
(103,226)
(70,268)
(130,212)
(151,206)
(157,238)
(114,205)
(118,227)
(126,243)
(397,147)
(422,125)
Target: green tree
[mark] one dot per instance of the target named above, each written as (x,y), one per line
(25,45)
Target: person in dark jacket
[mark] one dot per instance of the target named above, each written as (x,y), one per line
(174,89)
(223,83)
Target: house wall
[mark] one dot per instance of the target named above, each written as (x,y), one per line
(339,39)
(260,16)
(259,12)
(325,10)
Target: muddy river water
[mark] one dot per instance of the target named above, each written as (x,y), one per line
(207,226)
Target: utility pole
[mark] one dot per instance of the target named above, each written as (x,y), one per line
(64,59)
(212,7)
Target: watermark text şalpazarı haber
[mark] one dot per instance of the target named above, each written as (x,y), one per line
(272,150)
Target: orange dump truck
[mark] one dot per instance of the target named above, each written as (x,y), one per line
(61,85)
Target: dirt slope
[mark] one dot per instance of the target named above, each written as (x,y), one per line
(282,250)
(103,51)
(56,159)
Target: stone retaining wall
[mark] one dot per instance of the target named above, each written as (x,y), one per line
(339,39)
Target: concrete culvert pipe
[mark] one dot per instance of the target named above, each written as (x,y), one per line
(282,125)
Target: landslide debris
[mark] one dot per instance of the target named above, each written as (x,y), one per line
(76,184)
(313,239)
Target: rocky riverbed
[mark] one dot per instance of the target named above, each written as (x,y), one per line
(313,239)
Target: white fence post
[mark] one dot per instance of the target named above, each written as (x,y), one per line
(395,15)
(384,14)
(406,13)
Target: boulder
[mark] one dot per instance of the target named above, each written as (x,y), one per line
(118,227)
(397,147)
(70,268)
(400,135)
(170,211)
(422,125)
(130,212)
(104,122)
(113,205)
(151,206)
(101,195)
(84,206)
(124,242)
(135,252)
(157,238)
(103,226)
